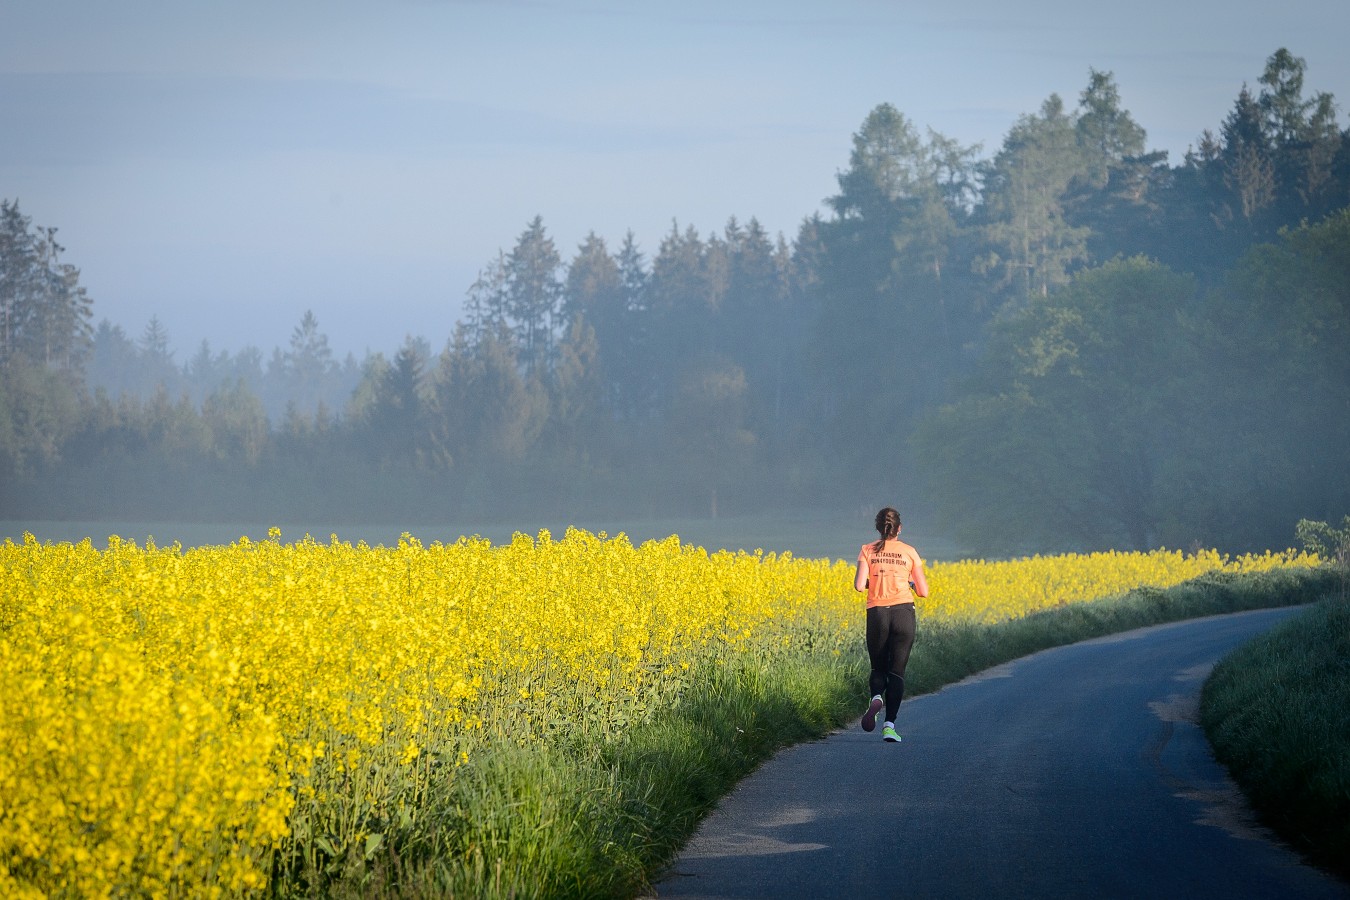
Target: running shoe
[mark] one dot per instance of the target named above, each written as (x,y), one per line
(869,719)
(888,734)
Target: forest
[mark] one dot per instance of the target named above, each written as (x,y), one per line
(1074,343)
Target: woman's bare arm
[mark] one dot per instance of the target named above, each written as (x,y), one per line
(920,580)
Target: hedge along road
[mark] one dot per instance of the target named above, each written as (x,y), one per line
(1075,772)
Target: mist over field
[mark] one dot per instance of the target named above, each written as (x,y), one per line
(1070,341)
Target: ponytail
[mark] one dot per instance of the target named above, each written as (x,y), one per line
(888,526)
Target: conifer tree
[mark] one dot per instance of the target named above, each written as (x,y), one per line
(534,295)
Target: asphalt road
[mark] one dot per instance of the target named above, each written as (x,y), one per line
(1076,772)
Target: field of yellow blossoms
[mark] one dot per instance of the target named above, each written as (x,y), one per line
(185,722)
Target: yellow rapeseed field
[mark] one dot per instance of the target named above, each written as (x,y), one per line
(173,722)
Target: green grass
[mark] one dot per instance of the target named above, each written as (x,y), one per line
(580,818)
(1277,712)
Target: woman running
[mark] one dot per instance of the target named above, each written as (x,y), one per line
(892,574)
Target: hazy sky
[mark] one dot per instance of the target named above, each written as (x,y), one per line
(226,166)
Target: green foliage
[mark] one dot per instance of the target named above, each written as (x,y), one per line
(1275,713)
(1274,340)
(1067,432)
(39,412)
(1125,408)
(234,415)
(1332,544)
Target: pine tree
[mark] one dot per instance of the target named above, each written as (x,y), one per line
(485,305)
(1107,133)
(533,295)
(308,364)
(1248,166)
(157,368)
(18,264)
(1026,187)
(629,363)
(681,303)
(44,311)
(58,331)
(594,295)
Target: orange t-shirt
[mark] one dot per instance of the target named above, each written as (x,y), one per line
(888,572)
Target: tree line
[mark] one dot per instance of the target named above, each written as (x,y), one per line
(1071,343)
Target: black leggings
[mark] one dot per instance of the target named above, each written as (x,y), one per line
(890,634)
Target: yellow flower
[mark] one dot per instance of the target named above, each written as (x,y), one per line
(173,720)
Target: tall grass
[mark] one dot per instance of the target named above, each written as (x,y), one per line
(1277,712)
(577,819)
(580,820)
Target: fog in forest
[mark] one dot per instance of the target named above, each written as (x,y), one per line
(1070,341)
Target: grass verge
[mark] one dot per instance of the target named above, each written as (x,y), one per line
(1277,712)
(579,818)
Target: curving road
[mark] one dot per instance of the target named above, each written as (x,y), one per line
(1076,772)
